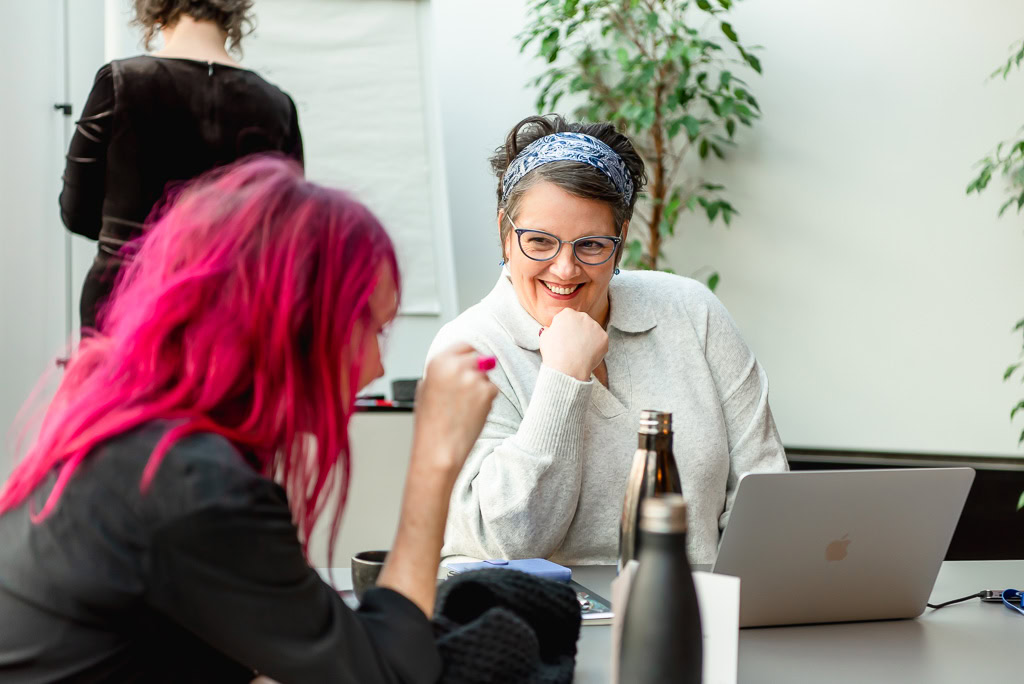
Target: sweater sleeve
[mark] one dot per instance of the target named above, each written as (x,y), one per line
(754,443)
(234,575)
(82,195)
(518,491)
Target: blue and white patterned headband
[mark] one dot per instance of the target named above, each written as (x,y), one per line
(576,147)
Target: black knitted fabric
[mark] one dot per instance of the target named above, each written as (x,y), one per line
(505,627)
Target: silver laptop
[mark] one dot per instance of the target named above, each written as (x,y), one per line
(840,545)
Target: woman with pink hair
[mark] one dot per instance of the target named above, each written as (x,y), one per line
(156,529)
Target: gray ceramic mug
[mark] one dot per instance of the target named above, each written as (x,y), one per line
(366,566)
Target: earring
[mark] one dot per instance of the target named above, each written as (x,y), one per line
(501,263)
(616,271)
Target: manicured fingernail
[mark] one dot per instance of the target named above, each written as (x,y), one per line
(486,363)
(540,332)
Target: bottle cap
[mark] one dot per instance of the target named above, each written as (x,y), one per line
(665,514)
(655,422)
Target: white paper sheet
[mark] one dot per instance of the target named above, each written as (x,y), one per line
(718,597)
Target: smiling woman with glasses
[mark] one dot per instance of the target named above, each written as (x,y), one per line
(581,349)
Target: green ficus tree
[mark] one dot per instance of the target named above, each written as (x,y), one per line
(665,72)
(1008,162)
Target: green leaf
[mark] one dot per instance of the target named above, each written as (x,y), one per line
(704,148)
(1018,407)
(712,210)
(753,61)
(724,78)
(646,118)
(692,126)
(623,57)
(549,46)
(718,151)
(671,214)
(704,5)
(726,4)
(729,32)
(726,215)
(569,9)
(646,73)
(652,21)
(744,110)
(1020,501)
(1010,370)
(730,127)
(713,103)
(713,283)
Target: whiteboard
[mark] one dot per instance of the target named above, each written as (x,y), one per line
(355,71)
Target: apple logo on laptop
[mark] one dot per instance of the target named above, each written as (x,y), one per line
(836,551)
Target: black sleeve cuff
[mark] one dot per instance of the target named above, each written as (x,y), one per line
(402,634)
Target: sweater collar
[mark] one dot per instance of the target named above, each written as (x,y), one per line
(630,308)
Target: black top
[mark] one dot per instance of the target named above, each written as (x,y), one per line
(202,578)
(149,124)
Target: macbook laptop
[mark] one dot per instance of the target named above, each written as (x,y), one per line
(840,545)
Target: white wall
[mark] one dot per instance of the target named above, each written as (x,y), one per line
(879,298)
(33,243)
(481,81)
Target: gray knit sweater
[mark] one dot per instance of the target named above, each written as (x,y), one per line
(547,476)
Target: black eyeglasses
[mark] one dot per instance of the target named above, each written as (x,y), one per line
(592,250)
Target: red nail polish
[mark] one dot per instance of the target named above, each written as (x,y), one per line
(486,363)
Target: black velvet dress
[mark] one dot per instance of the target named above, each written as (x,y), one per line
(151,123)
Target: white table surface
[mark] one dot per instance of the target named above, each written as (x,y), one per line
(971,642)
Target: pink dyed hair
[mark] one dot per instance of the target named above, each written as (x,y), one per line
(236,316)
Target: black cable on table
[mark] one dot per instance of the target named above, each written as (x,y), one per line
(979,595)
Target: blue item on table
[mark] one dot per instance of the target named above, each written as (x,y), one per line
(539,567)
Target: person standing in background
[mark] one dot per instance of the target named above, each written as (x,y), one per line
(156,120)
